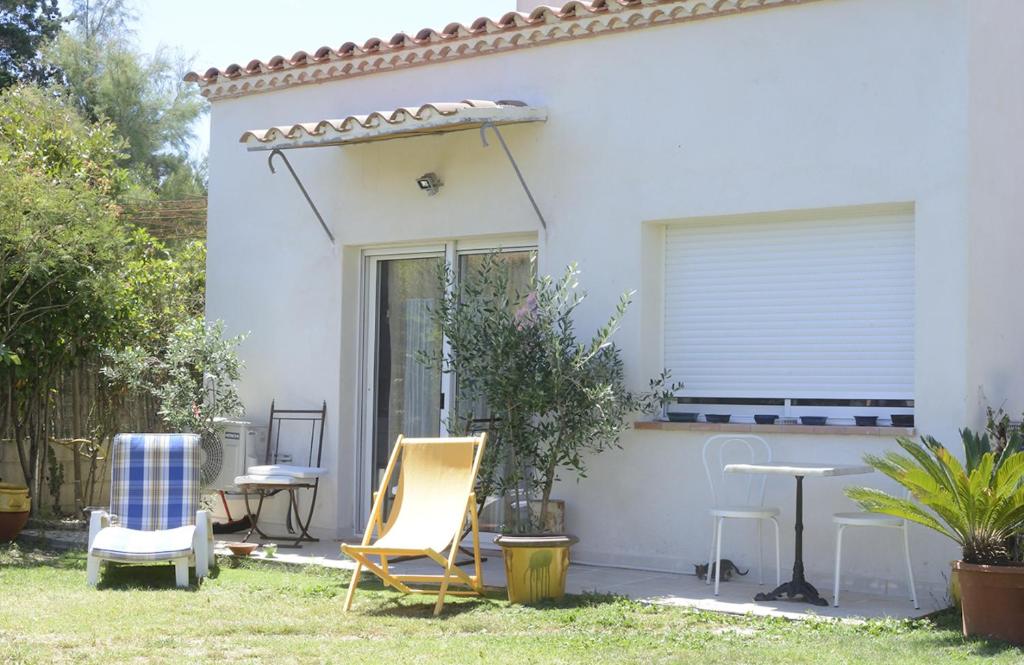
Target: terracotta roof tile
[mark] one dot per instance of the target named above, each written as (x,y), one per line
(575,19)
(403,121)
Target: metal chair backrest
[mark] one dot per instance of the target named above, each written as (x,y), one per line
(296,425)
(491,426)
(733,488)
(154,480)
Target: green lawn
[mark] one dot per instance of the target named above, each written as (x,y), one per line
(273,613)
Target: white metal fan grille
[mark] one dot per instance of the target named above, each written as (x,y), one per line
(212,459)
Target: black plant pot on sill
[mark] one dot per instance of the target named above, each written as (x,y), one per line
(813,420)
(682,417)
(866,421)
(902,419)
(765,419)
(717,417)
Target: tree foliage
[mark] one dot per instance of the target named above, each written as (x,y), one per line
(25,25)
(60,246)
(142,95)
(556,398)
(192,373)
(60,241)
(74,278)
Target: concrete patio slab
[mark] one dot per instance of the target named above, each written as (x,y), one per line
(679,590)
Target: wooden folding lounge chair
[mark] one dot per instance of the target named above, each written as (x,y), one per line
(433,499)
(154,498)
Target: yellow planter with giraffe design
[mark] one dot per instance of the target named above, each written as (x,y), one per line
(535,566)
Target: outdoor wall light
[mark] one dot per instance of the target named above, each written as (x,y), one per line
(429,183)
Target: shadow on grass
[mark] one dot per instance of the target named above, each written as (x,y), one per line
(146,577)
(113,576)
(949,622)
(386,601)
(15,555)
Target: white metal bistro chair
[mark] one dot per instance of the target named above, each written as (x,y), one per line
(877,520)
(738,497)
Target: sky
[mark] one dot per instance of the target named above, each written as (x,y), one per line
(216,33)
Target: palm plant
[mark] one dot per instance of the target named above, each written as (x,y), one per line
(979,505)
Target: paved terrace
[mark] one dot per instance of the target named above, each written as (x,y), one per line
(736,597)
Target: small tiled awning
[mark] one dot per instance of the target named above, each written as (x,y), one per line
(433,118)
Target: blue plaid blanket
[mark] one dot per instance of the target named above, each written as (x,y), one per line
(154,480)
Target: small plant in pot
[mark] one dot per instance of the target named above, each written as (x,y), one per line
(553,400)
(978,503)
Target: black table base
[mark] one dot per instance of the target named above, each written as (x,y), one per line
(798,588)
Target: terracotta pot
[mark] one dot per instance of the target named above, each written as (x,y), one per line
(14,509)
(535,566)
(992,599)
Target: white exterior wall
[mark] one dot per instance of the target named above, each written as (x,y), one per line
(830,104)
(996,200)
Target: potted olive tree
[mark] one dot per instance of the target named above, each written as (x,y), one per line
(553,399)
(979,503)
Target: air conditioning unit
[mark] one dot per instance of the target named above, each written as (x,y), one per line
(242,445)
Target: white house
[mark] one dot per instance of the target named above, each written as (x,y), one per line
(817,202)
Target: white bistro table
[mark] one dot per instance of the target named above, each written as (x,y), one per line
(798,588)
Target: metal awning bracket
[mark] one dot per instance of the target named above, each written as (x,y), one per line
(270,163)
(522,181)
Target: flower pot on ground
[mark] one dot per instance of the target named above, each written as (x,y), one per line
(978,503)
(551,400)
(14,509)
(992,600)
(535,566)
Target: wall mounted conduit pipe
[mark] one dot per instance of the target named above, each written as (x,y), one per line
(270,162)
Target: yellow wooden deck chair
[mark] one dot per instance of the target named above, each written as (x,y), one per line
(433,498)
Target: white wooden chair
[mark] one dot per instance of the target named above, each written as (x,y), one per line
(735,497)
(154,501)
(878,521)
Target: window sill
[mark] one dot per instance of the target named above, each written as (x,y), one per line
(819,430)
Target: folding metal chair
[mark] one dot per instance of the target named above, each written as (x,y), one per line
(280,473)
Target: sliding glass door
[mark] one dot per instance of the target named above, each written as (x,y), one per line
(402,394)
(406,392)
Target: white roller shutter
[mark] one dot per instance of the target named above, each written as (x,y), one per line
(802,308)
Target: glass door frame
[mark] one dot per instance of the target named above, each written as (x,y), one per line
(449,251)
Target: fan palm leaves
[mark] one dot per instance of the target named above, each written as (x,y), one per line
(979,505)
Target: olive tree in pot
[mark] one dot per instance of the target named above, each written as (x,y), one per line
(554,400)
(978,503)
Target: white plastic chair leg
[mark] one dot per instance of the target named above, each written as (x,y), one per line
(839,559)
(910,567)
(760,553)
(711,548)
(92,569)
(201,544)
(778,555)
(718,555)
(181,572)
(211,559)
